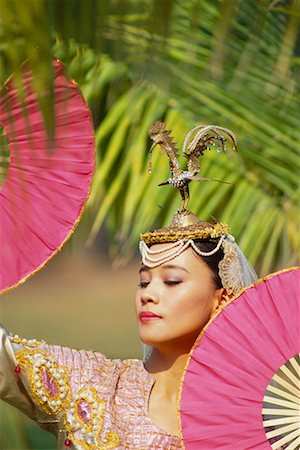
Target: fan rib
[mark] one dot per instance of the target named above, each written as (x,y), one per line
(280,412)
(294,444)
(285,439)
(287,385)
(283,393)
(280,402)
(280,421)
(282,430)
(295,365)
(291,376)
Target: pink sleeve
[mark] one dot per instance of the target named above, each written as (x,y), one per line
(41,379)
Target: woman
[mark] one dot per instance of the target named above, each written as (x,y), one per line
(189,270)
(91,402)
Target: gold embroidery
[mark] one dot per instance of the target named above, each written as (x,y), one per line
(85,419)
(16,339)
(199,231)
(48,381)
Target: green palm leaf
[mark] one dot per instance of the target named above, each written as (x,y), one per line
(234,63)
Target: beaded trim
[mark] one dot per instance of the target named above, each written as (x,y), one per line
(151,258)
(166,235)
(48,381)
(16,339)
(86,417)
(212,252)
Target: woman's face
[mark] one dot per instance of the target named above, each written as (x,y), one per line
(174,300)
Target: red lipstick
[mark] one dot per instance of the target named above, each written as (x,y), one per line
(148,316)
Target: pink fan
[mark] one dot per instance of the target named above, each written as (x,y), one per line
(241,386)
(47,182)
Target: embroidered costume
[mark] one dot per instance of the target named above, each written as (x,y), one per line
(85,399)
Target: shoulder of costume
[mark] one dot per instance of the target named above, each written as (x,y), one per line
(54,375)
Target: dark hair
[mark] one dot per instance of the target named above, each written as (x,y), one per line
(213,260)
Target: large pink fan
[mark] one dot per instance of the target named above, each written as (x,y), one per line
(241,385)
(48,180)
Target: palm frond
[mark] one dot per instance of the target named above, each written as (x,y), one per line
(230,63)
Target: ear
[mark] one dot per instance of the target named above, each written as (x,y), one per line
(217,300)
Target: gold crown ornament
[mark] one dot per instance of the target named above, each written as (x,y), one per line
(185,228)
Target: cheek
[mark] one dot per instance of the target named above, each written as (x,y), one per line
(137,300)
(198,306)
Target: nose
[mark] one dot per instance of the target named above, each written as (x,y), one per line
(149,295)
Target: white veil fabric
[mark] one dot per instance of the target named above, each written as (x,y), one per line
(248,274)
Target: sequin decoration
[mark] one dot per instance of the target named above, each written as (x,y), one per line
(48,381)
(84,422)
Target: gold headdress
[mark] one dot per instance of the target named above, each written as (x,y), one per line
(185,228)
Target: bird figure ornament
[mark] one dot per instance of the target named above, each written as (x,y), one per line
(195,143)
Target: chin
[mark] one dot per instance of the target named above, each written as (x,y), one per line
(155,339)
(147,340)
(151,340)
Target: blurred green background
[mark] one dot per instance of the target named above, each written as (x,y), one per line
(229,62)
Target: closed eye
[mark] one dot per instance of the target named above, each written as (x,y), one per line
(143,284)
(172,282)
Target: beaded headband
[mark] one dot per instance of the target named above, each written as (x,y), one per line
(185,228)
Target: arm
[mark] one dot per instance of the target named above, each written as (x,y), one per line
(48,382)
(42,380)
(12,389)
(14,383)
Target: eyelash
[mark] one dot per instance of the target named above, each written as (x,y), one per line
(168,283)
(173,282)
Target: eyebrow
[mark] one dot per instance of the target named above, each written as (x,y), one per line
(167,266)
